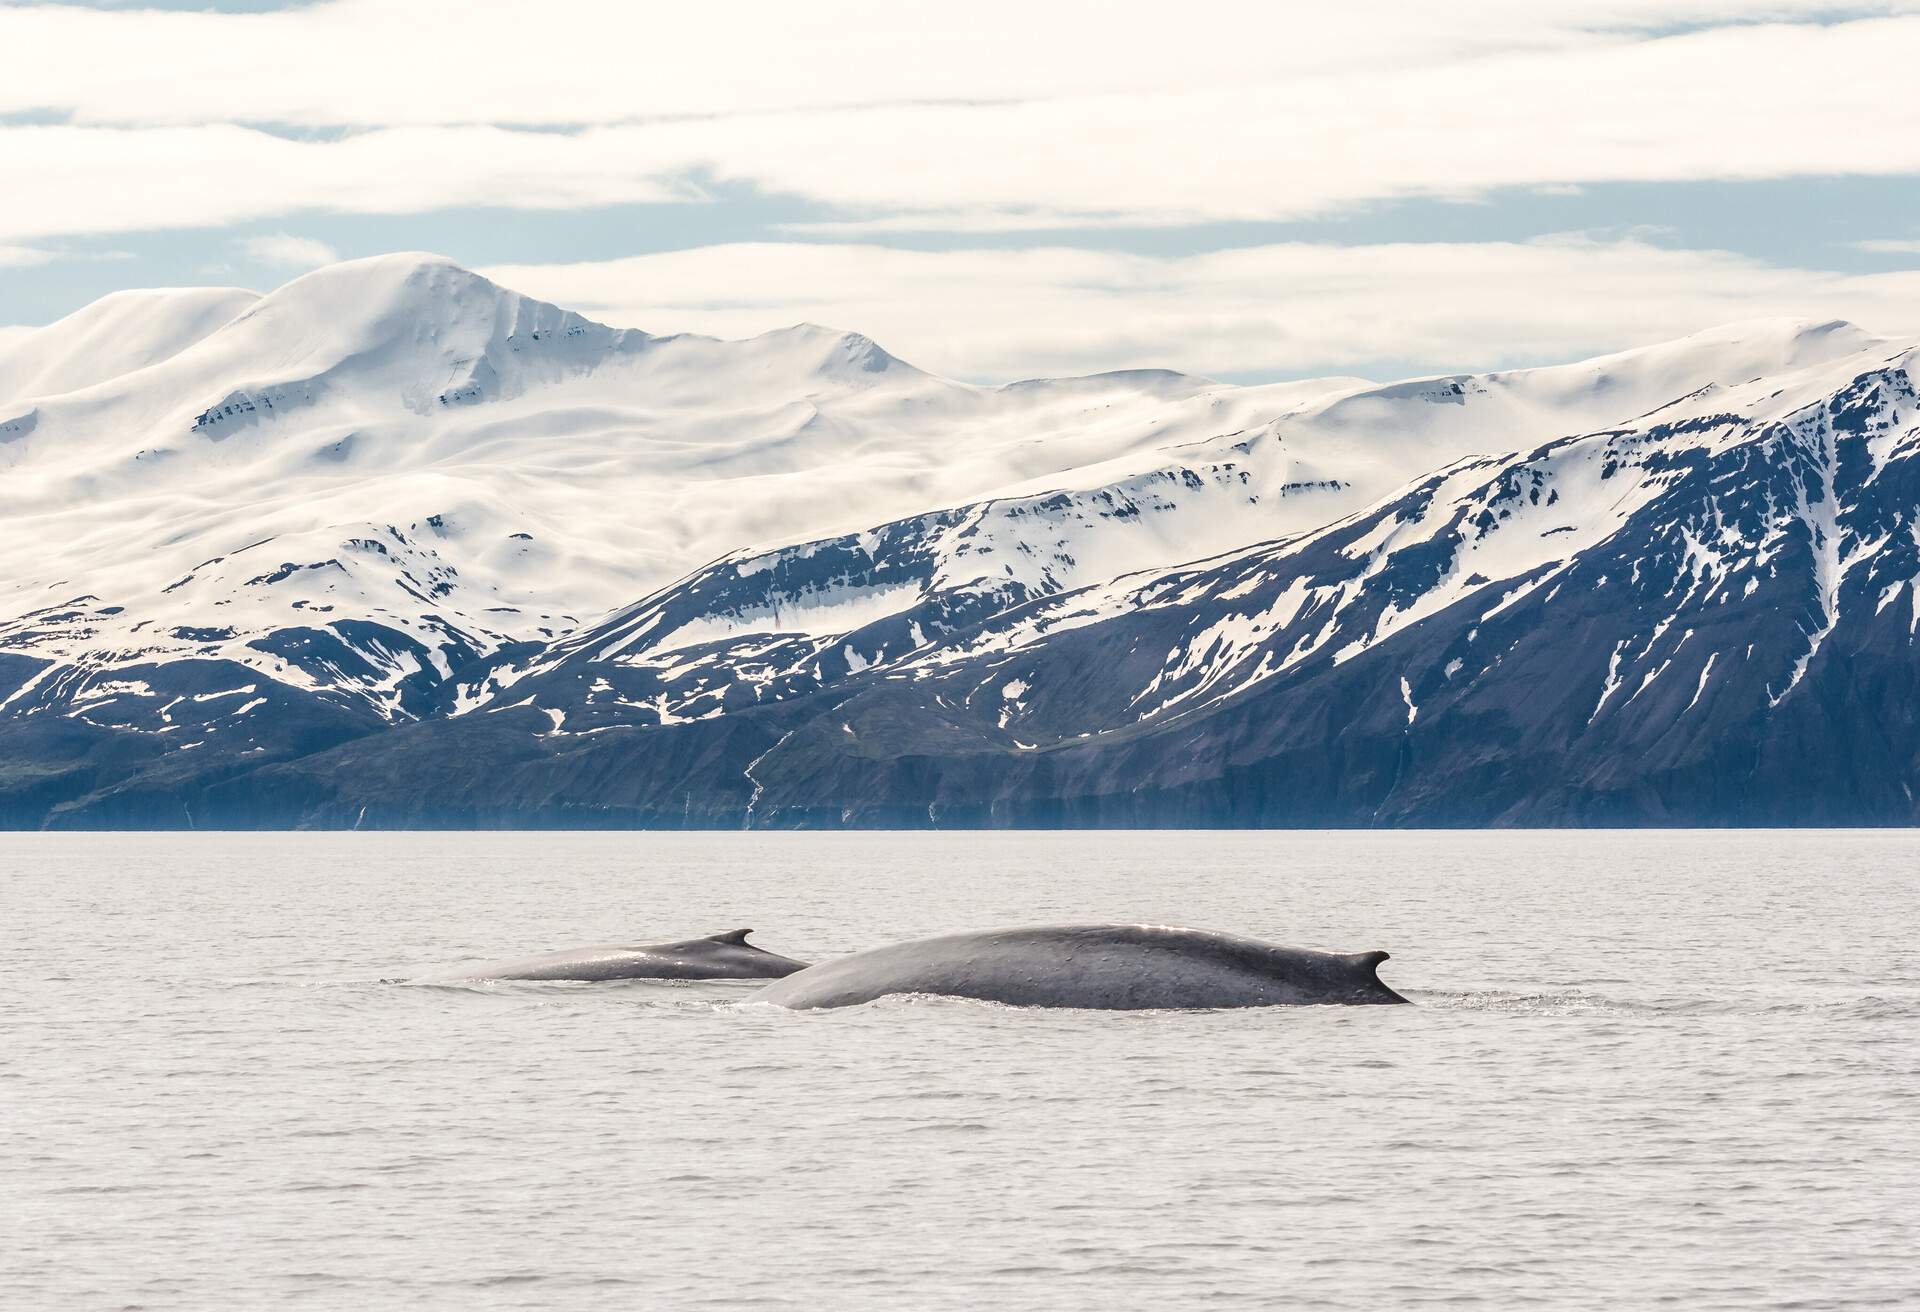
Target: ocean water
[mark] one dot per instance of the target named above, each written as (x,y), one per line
(1646,1069)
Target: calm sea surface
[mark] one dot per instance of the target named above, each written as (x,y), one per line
(1646,1069)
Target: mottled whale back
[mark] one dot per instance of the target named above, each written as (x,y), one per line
(721,956)
(1109,967)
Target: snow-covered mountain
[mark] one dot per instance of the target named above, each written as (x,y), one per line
(393,545)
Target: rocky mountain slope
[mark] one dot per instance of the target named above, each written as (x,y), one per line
(394,546)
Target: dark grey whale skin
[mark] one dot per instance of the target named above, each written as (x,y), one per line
(721,956)
(1105,967)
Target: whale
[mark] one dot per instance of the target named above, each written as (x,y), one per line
(1101,967)
(719,956)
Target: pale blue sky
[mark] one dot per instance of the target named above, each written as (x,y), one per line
(1116,199)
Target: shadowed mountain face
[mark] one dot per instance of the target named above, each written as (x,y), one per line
(394,546)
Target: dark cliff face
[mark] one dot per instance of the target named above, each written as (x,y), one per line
(1699,619)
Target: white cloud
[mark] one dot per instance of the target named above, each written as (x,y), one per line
(22,257)
(65,179)
(974,117)
(288,251)
(1891,246)
(999,115)
(26,257)
(1271,309)
(359,62)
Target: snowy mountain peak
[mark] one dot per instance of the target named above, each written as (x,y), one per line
(263,532)
(115,335)
(410,292)
(437,332)
(831,353)
(1736,352)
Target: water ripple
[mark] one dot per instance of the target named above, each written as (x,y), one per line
(1643,1070)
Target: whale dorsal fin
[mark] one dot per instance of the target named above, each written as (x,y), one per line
(732,938)
(1364,964)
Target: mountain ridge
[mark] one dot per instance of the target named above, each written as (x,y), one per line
(473,559)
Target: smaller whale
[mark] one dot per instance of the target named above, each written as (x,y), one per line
(721,956)
(1105,967)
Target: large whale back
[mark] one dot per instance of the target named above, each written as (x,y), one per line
(720,956)
(1109,967)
